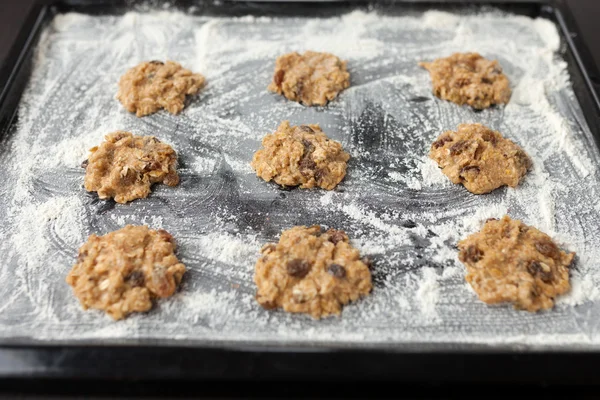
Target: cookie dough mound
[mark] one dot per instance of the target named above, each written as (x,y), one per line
(468,78)
(301,155)
(311,78)
(508,261)
(479,158)
(123,271)
(125,166)
(312,272)
(150,86)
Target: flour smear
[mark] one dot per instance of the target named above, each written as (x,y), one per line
(394,203)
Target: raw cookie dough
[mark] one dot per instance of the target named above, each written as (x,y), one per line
(311,78)
(468,78)
(125,166)
(301,155)
(310,271)
(479,158)
(123,271)
(508,261)
(150,86)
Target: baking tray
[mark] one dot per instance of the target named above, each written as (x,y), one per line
(23,356)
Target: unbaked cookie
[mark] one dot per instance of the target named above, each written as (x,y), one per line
(508,261)
(301,155)
(311,271)
(479,158)
(150,86)
(311,78)
(468,78)
(125,166)
(123,271)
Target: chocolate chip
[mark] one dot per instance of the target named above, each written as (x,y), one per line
(165,235)
(278,77)
(470,169)
(151,166)
(85,163)
(458,147)
(471,254)
(460,82)
(486,80)
(298,268)
(307,163)
(489,137)
(306,128)
(491,219)
(441,141)
(156,62)
(135,279)
(320,173)
(336,236)
(337,270)
(534,267)
(546,247)
(543,271)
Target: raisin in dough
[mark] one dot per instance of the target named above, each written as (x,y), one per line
(150,86)
(468,78)
(123,271)
(311,78)
(508,261)
(125,166)
(301,155)
(479,158)
(312,272)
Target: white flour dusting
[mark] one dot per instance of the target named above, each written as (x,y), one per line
(396,205)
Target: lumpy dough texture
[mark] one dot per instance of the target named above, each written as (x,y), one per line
(312,272)
(311,78)
(125,166)
(150,86)
(508,261)
(301,155)
(468,78)
(123,271)
(479,158)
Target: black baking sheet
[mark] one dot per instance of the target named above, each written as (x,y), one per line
(584,95)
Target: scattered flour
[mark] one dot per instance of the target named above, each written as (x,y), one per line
(221,213)
(428,292)
(431,174)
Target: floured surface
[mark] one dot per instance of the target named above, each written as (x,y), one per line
(396,206)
